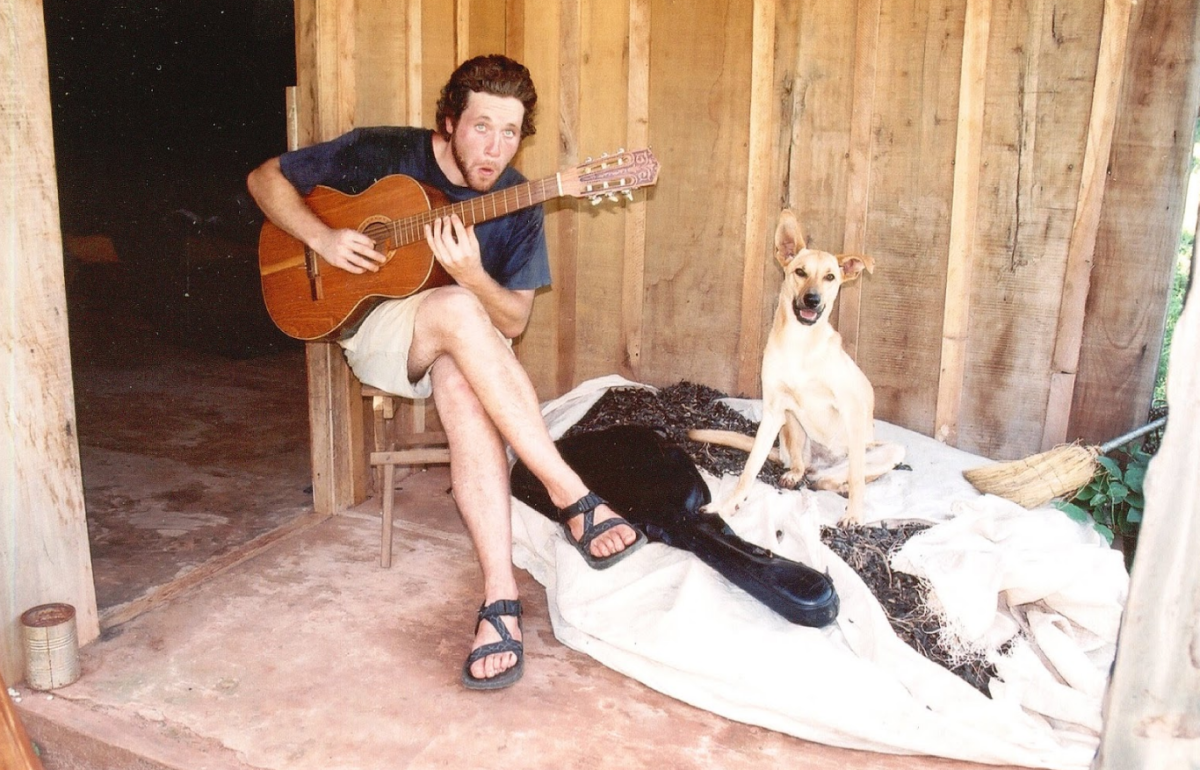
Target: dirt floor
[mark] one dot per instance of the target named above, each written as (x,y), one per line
(240,630)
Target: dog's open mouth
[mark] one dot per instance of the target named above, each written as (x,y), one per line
(805,314)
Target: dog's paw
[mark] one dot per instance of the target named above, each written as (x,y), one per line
(793,480)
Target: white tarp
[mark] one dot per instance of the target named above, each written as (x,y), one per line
(997,570)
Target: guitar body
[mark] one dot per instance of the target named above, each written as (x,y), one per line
(311,300)
(318,306)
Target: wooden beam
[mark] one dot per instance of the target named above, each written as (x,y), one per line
(1152,708)
(1110,69)
(414,113)
(44,549)
(963,212)
(858,186)
(762,149)
(462,31)
(568,226)
(336,425)
(16,750)
(633,262)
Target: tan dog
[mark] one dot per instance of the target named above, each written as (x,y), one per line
(815,398)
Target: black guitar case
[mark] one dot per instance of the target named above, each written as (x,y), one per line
(655,485)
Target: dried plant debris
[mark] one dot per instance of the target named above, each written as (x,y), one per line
(904,598)
(676,409)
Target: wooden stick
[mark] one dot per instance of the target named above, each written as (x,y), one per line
(763,140)
(963,212)
(414,60)
(1068,339)
(16,750)
(633,263)
(858,185)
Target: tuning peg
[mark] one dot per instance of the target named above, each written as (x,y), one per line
(628,194)
(595,199)
(612,196)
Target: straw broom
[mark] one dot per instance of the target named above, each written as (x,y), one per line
(1063,470)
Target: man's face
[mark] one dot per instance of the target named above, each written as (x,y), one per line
(486,138)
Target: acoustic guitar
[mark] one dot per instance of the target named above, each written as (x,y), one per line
(308,299)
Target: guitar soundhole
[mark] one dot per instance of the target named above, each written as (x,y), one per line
(378,229)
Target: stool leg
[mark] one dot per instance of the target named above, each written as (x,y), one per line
(388,494)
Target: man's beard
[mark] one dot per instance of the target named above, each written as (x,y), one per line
(462,168)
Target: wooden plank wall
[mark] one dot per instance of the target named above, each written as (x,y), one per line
(1017,170)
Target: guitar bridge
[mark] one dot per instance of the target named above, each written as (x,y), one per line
(312,264)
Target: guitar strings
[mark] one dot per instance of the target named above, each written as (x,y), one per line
(403,232)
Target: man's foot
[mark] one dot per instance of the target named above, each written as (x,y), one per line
(601,536)
(497,658)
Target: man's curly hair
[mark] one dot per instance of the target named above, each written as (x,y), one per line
(493,74)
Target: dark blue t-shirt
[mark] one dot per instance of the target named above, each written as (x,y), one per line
(513,247)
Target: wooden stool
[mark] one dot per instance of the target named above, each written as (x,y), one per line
(399,447)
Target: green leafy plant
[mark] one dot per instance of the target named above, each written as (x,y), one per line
(1113,500)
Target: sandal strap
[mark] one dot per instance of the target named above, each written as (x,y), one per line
(494,648)
(492,613)
(591,531)
(585,504)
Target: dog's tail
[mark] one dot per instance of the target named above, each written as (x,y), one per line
(729,438)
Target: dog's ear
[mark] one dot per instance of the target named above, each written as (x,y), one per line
(853,264)
(789,241)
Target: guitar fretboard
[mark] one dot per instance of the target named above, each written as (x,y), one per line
(401,232)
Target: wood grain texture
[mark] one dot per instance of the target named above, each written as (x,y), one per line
(1068,338)
(633,261)
(16,750)
(44,549)
(382,82)
(960,262)
(1140,219)
(861,119)
(566,225)
(695,233)
(859,164)
(1153,701)
(602,126)
(762,174)
(538,348)
(908,215)
(1033,147)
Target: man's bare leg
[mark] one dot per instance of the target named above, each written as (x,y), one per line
(479,478)
(451,322)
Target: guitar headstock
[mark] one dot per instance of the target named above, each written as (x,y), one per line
(608,175)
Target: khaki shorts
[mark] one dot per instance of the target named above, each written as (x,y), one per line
(378,349)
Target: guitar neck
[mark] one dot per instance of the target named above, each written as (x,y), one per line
(402,232)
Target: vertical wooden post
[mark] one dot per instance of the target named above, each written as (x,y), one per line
(462,31)
(44,549)
(763,147)
(568,227)
(963,210)
(415,71)
(1069,336)
(1152,707)
(633,261)
(325,98)
(858,187)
